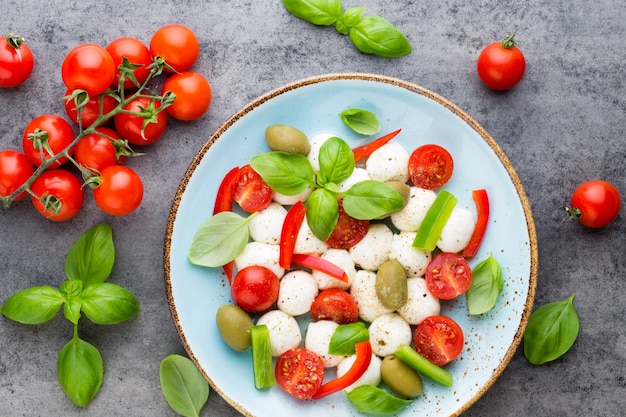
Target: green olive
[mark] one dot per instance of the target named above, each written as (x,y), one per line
(234,326)
(400,378)
(403,188)
(391,285)
(287,139)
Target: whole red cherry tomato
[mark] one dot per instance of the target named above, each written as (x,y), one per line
(88,67)
(120,190)
(137,53)
(16,61)
(595,204)
(47,132)
(501,65)
(193,95)
(255,288)
(59,194)
(15,170)
(97,151)
(91,109)
(130,126)
(177,44)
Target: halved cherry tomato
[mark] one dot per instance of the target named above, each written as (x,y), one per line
(439,339)
(481,200)
(15,170)
(595,204)
(177,44)
(430,166)
(300,372)
(319,264)
(96,151)
(88,67)
(289,233)
(120,190)
(193,95)
(48,133)
(358,368)
(137,54)
(348,231)
(448,275)
(131,126)
(251,192)
(336,305)
(255,288)
(59,194)
(364,151)
(501,65)
(16,61)
(90,111)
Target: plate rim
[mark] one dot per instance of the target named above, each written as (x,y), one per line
(474,125)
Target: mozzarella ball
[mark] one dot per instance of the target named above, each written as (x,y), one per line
(412,259)
(358,175)
(372,375)
(373,250)
(410,217)
(284,331)
(390,162)
(363,291)
(457,232)
(316,143)
(290,200)
(297,291)
(266,226)
(420,304)
(388,332)
(342,259)
(262,254)
(318,335)
(307,242)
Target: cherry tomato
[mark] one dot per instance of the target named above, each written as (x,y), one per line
(46,131)
(348,231)
(120,191)
(448,275)
(300,372)
(137,53)
(255,288)
(501,65)
(61,192)
(251,192)
(177,44)
(193,95)
(336,305)
(96,151)
(129,126)
(90,111)
(595,203)
(15,170)
(16,61)
(439,339)
(88,67)
(430,166)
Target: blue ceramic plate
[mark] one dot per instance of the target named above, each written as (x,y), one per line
(312,105)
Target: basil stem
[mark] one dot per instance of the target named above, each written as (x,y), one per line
(183,386)
(363,122)
(346,336)
(262,357)
(434,221)
(375,35)
(486,285)
(375,401)
(318,12)
(420,364)
(551,331)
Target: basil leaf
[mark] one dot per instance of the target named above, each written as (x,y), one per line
(71,288)
(33,305)
(318,12)
(219,240)
(367,200)
(80,370)
(336,161)
(108,303)
(375,401)
(375,35)
(552,330)
(346,336)
(183,386)
(286,173)
(361,121)
(322,213)
(91,257)
(71,310)
(486,285)
(349,19)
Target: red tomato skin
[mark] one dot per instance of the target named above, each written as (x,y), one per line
(129,125)
(430,166)
(177,44)
(255,289)
(15,68)
(89,115)
(15,170)
(599,203)
(96,152)
(193,95)
(501,68)
(251,192)
(300,372)
(448,275)
(439,339)
(60,136)
(65,186)
(88,67)
(120,191)
(336,305)
(137,53)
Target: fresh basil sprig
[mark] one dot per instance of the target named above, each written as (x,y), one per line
(370,34)
(552,330)
(87,265)
(363,122)
(183,386)
(486,285)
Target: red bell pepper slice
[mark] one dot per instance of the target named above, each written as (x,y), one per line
(358,368)
(320,264)
(482,209)
(289,233)
(224,202)
(362,152)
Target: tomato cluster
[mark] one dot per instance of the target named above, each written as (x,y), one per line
(105,102)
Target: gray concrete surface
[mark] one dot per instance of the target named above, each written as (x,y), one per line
(563,124)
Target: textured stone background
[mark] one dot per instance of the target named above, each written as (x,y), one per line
(563,124)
